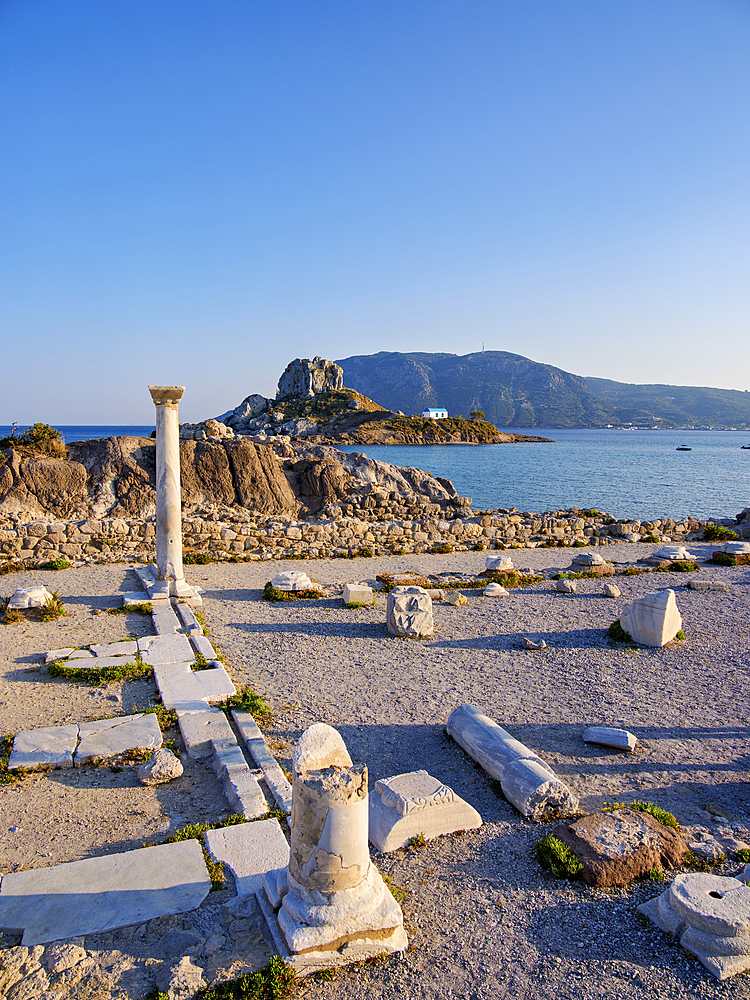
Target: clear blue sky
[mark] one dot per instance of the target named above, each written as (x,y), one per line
(198,192)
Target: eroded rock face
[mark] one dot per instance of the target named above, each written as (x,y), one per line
(303,378)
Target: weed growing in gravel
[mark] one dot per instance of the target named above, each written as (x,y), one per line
(53,608)
(14,567)
(6,745)
(655,875)
(270,593)
(398,892)
(653,539)
(248,701)
(479,547)
(417,842)
(201,558)
(136,609)
(618,634)
(156,994)
(100,675)
(166,717)
(743,855)
(10,615)
(353,605)
(55,564)
(636,570)
(439,550)
(275,981)
(557,857)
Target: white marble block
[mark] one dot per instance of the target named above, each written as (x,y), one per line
(710,914)
(292,581)
(408,805)
(357,593)
(672,552)
(332,906)
(498,564)
(653,620)
(621,739)
(736,548)
(588,559)
(526,780)
(409,612)
(494,590)
(29,597)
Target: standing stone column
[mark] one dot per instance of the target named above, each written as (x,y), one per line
(168,505)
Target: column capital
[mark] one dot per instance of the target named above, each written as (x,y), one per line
(166,395)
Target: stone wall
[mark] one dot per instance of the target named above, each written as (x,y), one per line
(237,534)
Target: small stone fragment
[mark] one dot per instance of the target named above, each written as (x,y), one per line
(566,586)
(588,559)
(610,590)
(718,585)
(619,738)
(62,955)
(531,644)
(456,598)
(494,590)
(357,593)
(161,767)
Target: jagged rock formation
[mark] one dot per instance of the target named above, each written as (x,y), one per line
(115,477)
(303,378)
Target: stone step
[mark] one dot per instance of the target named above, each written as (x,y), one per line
(199,728)
(240,785)
(256,744)
(98,894)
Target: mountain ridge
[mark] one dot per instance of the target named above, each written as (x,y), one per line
(514,391)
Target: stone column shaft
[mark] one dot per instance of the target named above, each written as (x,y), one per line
(168,501)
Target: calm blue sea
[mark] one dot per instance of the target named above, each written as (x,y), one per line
(634,473)
(625,473)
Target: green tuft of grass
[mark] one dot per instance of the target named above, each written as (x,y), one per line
(366,553)
(156,994)
(270,593)
(651,538)
(275,981)
(557,858)
(248,700)
(654,875)
(199,558)
(195,831)
(663,817)
(479,547)
(53,608)
(417,842)
(441,550)
(353,605)
(137,609)
(636,570)
(618,634)
(55,564)
(6,746)
(100,675)
(743,855)
(398,893)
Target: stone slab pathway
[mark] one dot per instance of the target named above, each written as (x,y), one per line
(98,894)
(249,851)
(73,745)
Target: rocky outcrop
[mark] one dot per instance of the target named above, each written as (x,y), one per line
(303,378)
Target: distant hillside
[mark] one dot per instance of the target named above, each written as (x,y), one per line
(675,405)
(514,391)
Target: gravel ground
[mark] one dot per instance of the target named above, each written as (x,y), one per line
(484,919)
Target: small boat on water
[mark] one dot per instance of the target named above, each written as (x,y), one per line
(745,447)
(684,447)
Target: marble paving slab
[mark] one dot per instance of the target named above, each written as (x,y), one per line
(165,649)
(51,745)
(99,894)
(115,736)
(249,850)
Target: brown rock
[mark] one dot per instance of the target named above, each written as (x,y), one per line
(617,847)
(258,480)
(58,486)
(205,474)
(318,483)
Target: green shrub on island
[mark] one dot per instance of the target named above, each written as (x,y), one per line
(718,533)
(557,857)
(41,439)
